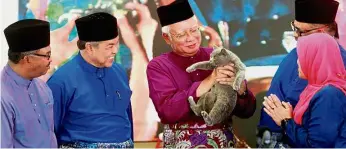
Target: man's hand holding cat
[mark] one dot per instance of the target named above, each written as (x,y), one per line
(226,75)
(206,84)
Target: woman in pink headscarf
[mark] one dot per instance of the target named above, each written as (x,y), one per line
(318,118)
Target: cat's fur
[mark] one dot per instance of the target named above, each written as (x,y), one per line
(221,100)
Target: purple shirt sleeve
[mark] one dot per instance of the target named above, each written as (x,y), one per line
(170,102)
(7,124)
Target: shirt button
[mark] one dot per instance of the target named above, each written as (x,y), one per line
(197,74)
(35,105)
(39,115)
(31,94)
(107,95)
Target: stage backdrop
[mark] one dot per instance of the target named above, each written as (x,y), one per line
(258,31)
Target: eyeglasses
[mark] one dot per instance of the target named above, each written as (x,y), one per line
(41,55)
(183,35)
(300,32)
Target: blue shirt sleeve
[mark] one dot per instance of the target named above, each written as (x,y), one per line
(7,124)
(129,110)
(60,103)
(280,80)
(341,141)
(129,113)
(321,121)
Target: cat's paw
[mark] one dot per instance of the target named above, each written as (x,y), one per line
(206,118)
(208,122)
(191,101)
(204,114)
(235,86)
(190,69)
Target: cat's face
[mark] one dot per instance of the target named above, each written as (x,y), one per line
(220,57)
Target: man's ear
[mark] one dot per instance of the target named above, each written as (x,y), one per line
(26,59)
(88,47)
(166,38)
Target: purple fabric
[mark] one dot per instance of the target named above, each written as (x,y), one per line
(26,112)
(197,139)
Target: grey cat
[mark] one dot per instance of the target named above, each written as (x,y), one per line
(220,101)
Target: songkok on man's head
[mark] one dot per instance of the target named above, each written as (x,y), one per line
(316,11)
(177,11)
(27,35)
(97,27)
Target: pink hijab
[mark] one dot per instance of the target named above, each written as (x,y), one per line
(321,62)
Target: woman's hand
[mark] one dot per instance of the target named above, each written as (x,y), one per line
(276,109)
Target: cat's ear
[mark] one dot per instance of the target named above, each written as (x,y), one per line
(224,51)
